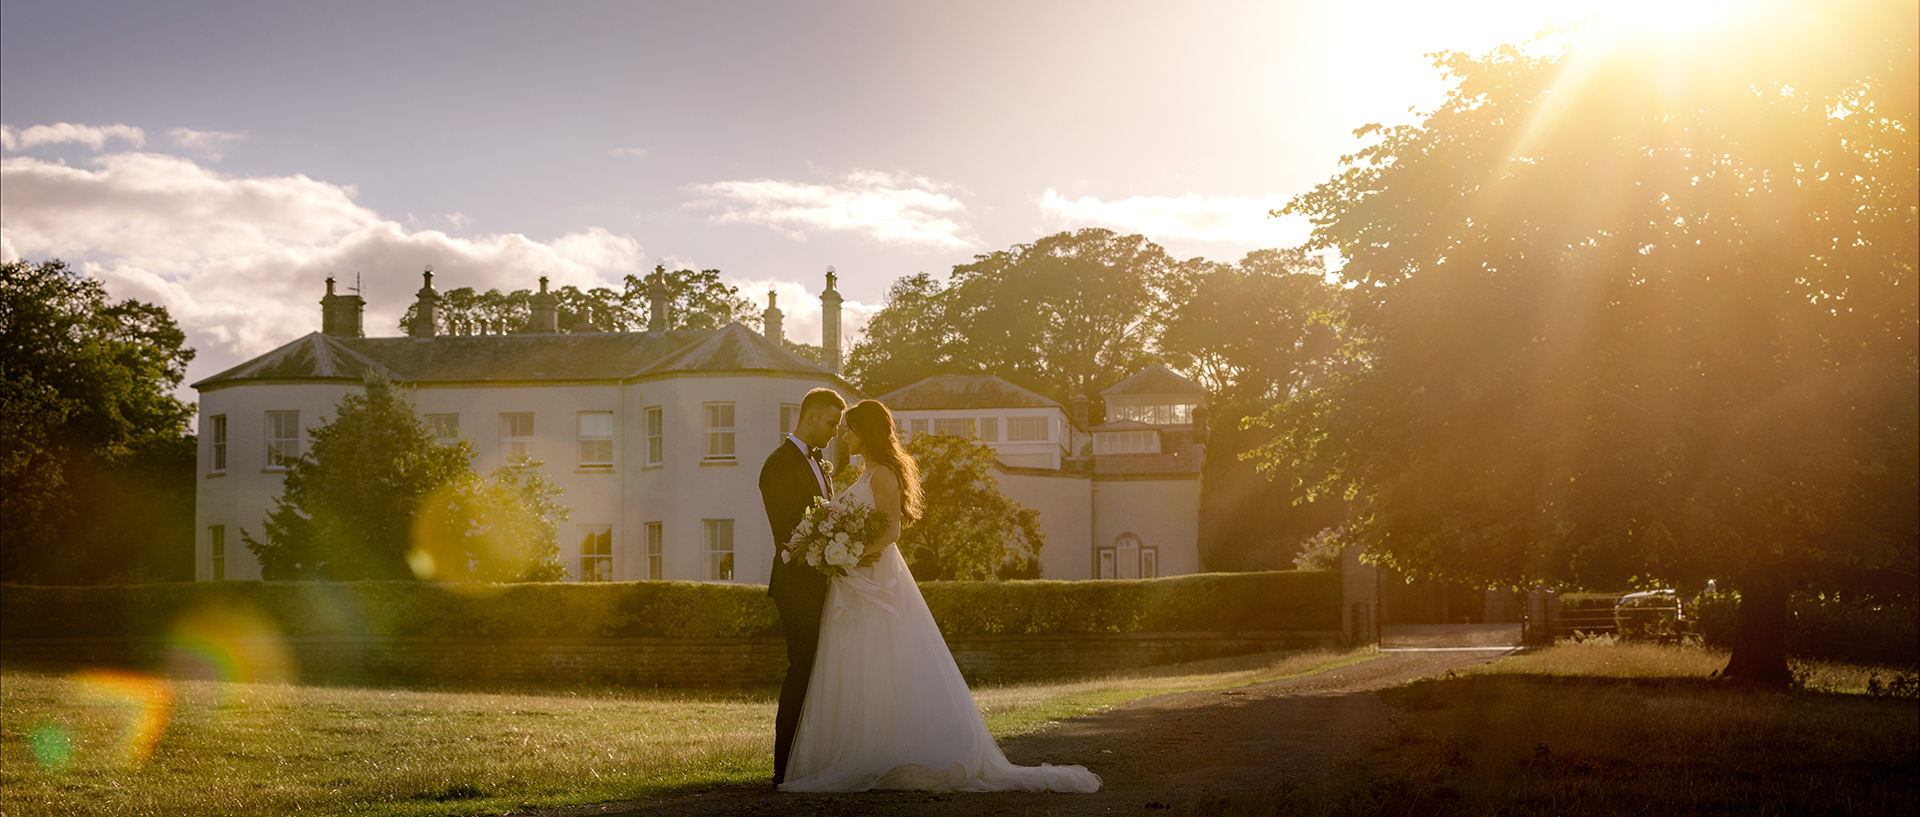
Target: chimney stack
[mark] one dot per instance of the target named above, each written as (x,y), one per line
(830,325)
(1080,411)
(340,314)
(657,295)
(546,311)
(425,317)
(771,319)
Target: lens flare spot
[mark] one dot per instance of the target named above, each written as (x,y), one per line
(228,642)
(422,564)
(144,704)
(51,746)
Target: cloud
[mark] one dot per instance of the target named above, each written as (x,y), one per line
(240,261)
(634,152)
(91,136)
(209,144)
(893,208)
(1228,219)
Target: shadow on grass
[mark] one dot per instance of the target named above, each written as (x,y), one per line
(1494,744)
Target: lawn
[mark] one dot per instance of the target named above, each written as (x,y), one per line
(120,744)
(1626,729)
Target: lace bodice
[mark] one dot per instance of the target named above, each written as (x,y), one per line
(860,492)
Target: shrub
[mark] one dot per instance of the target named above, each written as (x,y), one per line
(1203,603)
(1857,629)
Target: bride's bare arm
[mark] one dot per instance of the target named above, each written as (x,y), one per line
(886,498)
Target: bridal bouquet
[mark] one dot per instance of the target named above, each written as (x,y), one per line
(834,535)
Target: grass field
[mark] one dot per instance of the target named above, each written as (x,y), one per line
(116,744)
(1627,729)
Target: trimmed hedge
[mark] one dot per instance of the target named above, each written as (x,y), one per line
(1287,600)
(1207,602)
(1824,626)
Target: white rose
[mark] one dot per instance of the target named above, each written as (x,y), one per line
(840,539)
(813,558)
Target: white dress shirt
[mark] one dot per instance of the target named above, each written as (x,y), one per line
(825,489)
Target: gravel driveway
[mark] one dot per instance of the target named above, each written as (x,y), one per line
(1154,753)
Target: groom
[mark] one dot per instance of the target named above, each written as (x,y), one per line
(789,481)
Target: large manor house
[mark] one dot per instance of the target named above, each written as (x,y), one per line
(657,437)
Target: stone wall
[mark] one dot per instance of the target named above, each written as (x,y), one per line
(645,662)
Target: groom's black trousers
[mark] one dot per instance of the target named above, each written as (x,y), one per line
(800,615)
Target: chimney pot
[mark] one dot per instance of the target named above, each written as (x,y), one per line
(830,325)
(340,314)
(426,313)
(545,307)
(771,320)
(657,298)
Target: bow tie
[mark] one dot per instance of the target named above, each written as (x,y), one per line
(816,455)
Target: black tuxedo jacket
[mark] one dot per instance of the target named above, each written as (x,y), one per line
(787,487)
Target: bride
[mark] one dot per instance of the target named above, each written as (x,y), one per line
(886,707)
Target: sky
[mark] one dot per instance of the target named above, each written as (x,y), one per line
(224,159)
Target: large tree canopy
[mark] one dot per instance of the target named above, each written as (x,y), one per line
(378,497)
(1641,309)
(1075,312)
(1064,315)
(695,300)
(96,465)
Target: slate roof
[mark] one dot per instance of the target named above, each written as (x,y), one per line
(963,391)
(513,358)
(1155,379)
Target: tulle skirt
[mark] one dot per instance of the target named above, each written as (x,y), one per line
(887,708)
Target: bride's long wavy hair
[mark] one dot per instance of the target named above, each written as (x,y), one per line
(874,423)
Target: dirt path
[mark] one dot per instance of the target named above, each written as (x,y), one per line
(1154,753)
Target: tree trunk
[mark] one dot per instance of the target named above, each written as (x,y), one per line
(1760,634)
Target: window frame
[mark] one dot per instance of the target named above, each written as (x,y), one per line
(1149,562)
(720,562)
(598,538)
(439,424)
(217,552)
(656,551)
(598,442)
(217,444)
(1106,563)
(656,432)
(988,429)
(789,421)
(954,426)
(719,439)
(277,447)
(1045,423)
(509,440)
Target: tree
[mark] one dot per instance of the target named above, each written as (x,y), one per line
(1253,333)
(92,431)
(908,340)
(695,300)
(1066,314)
(1060,316)
(968,530)
(1637,312)
(378,498)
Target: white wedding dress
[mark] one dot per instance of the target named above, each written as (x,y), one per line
(886,706)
